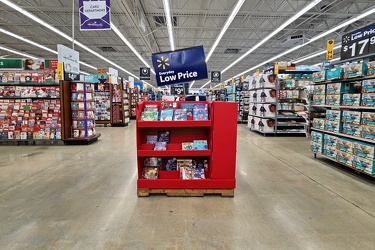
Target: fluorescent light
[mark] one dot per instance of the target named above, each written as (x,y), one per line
(228,22)
(315,54)
(167,11)
(334,59)
(18,53)
(40,21)
(84,72)
(289,21)
(87,65)
(192,84)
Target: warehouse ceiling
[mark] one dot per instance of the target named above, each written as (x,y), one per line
(195,22)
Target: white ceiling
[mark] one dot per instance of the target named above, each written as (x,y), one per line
(198,22)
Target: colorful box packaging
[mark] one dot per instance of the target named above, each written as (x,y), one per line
(364,150)
(333,74)
(340,88)
(319,89)
(351,100)
(319,76)
(318,123)
(334,100)
(368,132)
(317,137)
(344,145)
(368,86)
(332,126)
(368,100)
(351,129)
(364,164)
(319,99)
(329,151)
(355,70)
(330,140)
(316,147)
(333,115)
(352,117)
(344,158)
(371,68)
(368,118)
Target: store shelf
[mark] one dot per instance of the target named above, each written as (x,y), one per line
(186,184)
(343,107)
(290,125)
(263,102)
(265,117)
(344,135)
(36,98)
(82,141)
(173,124)
(262,88)
(354,79)
(171,152)
(29,84)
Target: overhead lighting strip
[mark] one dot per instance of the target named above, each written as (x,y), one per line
(17,52)
(315,54)
(168,18)
(226,26)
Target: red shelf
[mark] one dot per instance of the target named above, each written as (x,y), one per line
(173,124)
(189,184)
(191,153)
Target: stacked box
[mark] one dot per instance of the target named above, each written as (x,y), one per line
(340,88)
(352,117)
(330,140)
(363,150)
(332,126)
(368,132)
(333,115)
(355,70)
(368,119)
(266,109)
(368,86)
(319,76)
(371,68)
(368,99)
(318,123)
(344,145)
(334,100)
(352,100)
(266,95)
(266,81)
(330,151)
(317,137)
(364,164)
(351,129)
(344,158)
(290,83)
(319,99)
(333,74)
(316,147)
(264,124)
(319,89)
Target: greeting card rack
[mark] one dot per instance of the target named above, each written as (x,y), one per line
(220,131)
(118,114)
(102,97)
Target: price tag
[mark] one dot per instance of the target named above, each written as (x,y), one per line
(358,43)
(371,48)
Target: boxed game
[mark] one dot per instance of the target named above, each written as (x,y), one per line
(317,137)
(344,145)
(368,99)
(371,68)
(339,88)
(352,117)
(351,100)
(368,86)
(351,129)
(316,147)
(318,123)
(333,100)
(364,150)
(368,118)
(170,164)
(319,99)
(332,126)
(266,110)
(329,151)
(330,140)
(319,89)
(200,145)
(355,70)
(344,158)
(187,146)
(333,74)
(319,76)
(368,132)
(364,164)
(333,115)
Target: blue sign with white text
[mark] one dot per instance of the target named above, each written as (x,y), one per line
(95,14)
(183,65)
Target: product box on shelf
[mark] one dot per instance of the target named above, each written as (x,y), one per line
(371,68)
(329,151)
(290,83)
(364,150)
(253,96)
(368,86)
(355,70)
(340,88)
(333,115)
(352,117)
(267,80)
(332,126)
(266,110)
(351,129)
(344,145)
(264,124)
(344,158)
(368,132)
(319,99)
(298,107)
(368,100)
(333,74)
(319,76)
(351,100)
(330,140)
(319,89)
(267,95)
(364,164)
(368,118)
(316,147)
(334,100)
(317,137)
(251,122)
(318,123)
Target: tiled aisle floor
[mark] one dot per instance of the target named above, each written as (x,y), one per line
(84,197)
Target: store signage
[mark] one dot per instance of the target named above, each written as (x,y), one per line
(330,45)
(215,76)
(70,61)
(180,89)
(94,15)
(358,43)
(50,64)
(144,74)
(113,75)
(180,66)
(92,78)
(11,64)
(242,78)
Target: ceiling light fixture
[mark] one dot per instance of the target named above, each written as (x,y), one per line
(226,26)
(40,21)
(367,13)
(192,84)
(17,52)
(167,11)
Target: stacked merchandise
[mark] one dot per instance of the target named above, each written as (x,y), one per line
(231,93)
(102,103)
(27,77)
(134,98)
(117,105)
(126,106)
(26,119)
(243,96)
(196,112)
(82,107)
(29,92)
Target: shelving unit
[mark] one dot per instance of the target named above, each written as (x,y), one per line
(102,104)
(134,99)
(219,131)
(117,106)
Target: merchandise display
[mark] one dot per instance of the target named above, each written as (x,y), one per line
(102,99)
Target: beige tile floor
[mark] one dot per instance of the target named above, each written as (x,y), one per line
(84,197)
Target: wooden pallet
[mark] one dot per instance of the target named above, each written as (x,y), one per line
(145,192)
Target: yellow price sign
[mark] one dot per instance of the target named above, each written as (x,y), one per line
(257,72)
(242,78)
(276,70)
(60,70)
(330,52)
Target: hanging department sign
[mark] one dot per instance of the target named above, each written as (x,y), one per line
(180,66)
(358,43)
(95,15)
(215,76)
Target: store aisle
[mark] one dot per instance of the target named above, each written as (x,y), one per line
(84,197)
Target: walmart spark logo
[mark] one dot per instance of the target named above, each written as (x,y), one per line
(163,62)
(346,39)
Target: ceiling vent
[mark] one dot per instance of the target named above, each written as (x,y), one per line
(232,51)
(160,21)
(293,40)
(107,49)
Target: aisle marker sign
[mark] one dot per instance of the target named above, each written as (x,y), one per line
(144,73)
(358,43)
(177,66)
(215,76)
(330,45)
(94,15)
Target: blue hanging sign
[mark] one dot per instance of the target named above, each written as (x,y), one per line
(358,43)
(180,66)
(94,14)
